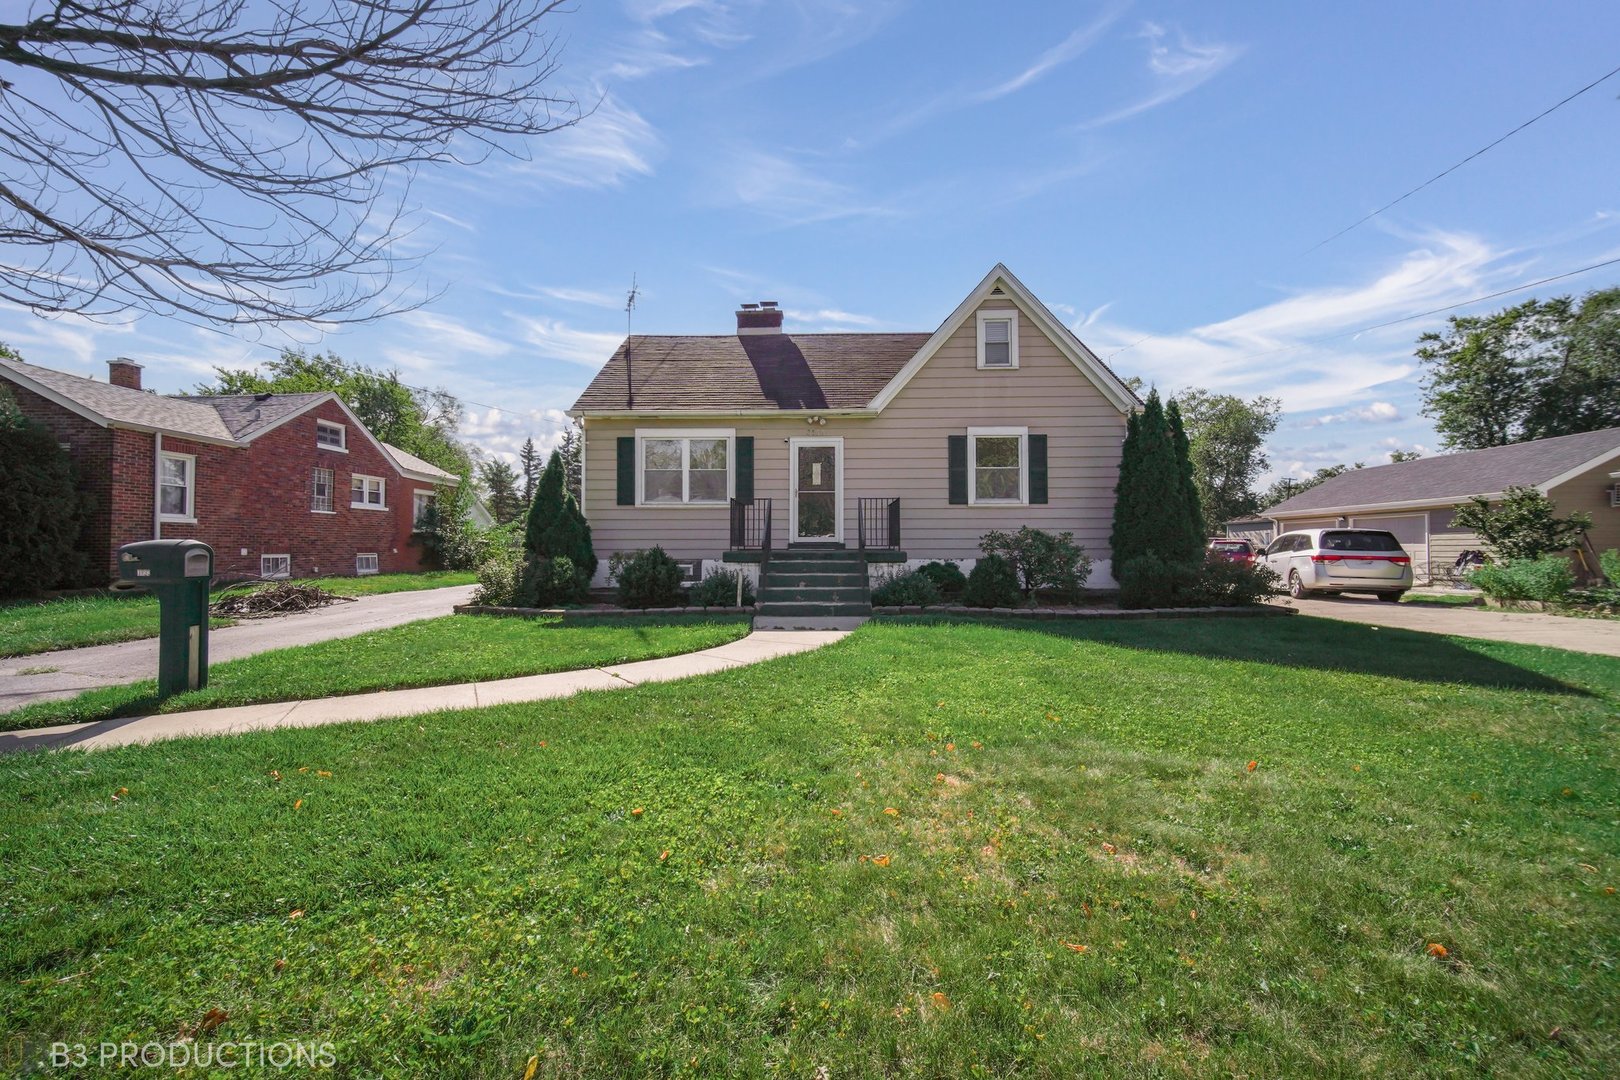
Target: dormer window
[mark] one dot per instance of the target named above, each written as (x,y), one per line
(330,436)
(998,338)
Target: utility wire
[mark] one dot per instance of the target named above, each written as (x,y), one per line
(1446,172)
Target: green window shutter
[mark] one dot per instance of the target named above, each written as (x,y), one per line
(1037,468)
(956,464)
(627,470)
(745,468)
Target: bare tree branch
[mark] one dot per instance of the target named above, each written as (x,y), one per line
(248,161)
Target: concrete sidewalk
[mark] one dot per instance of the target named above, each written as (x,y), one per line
(1601,636)
(126,731)
(72,671)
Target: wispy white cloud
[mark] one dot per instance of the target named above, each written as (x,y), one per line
(1082,39)
(441,334)
(556,340)
(1378,412)
(777,187)
(612,144)
(1175,68)
(832,315)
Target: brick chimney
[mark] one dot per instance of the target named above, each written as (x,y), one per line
(124,372)
(761,318)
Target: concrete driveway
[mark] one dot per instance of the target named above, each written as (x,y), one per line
(1600,636)
(70,671)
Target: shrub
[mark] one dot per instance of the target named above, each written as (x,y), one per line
(915,587)
(1041,560)
(555,525)
(1548,578)
(648,579)
(1609,561)
(946,576)
(497,581)
(550,582)
(1522,526)
(1147,581)
(41,508)
(1228,583)
(993,583)
(719,589)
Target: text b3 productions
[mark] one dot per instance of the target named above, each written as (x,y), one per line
(186,1054)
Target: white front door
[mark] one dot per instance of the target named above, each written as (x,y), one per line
(816,489)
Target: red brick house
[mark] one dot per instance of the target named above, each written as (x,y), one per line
(278,484)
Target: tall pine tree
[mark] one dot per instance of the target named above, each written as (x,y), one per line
(529,460)
(555,525)
(1192,525)
(1151,512)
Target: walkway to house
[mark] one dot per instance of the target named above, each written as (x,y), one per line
(1600,636)
(758,646)
(73,671)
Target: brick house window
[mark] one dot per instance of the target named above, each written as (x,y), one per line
(177,487)
(320,491)
(423,504)
(367,492)
(365,564)
(275,566)
(330,436)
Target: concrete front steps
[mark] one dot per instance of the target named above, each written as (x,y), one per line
(814,583)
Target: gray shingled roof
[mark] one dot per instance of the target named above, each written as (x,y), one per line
(245,415)
(121,405)
(756,371)
(408,462)
(1455,477)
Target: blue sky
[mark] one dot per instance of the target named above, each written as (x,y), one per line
(1156,172)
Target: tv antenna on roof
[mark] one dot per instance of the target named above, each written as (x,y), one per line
(629,314)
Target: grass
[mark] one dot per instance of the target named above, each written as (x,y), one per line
(1445,600)
(930,850)
(430,652)
(73,622)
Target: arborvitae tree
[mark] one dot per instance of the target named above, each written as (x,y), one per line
(1192,513)
(529,461)
(1149,506)
(40,506)
(545,509)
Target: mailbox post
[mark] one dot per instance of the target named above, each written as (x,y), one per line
(178,573)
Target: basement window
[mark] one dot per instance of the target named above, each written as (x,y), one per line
(275,566)
(365,564)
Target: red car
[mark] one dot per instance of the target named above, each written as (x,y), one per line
(1222,547)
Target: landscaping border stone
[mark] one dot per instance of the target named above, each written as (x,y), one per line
(574,615)
(958,611)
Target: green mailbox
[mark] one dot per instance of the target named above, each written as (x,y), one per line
(178,573)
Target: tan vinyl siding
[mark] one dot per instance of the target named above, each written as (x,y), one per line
(902,453)
(1589,492)
(1446,542)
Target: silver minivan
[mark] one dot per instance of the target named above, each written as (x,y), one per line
(1329,561)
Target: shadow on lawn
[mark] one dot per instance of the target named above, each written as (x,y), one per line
(1316,644)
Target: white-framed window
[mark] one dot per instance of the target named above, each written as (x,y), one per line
(330,436)
(999,461)
(365,563)
(177,487)
(684,467)
(998,338)
(275,566)
(368,492)
(320,491)
(423,504)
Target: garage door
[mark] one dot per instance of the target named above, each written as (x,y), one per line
(1310,523)
(1412,530)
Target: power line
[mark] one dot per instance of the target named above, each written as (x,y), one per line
(1446,172)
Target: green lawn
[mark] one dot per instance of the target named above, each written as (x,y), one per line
(431,652)
(76,621)
(1080,874)
(1446,599)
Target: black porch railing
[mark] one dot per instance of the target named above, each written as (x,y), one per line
(751,525)
(878,523)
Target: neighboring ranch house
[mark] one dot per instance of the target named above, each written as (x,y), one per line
(1414,499)
(906,447)
(277,484)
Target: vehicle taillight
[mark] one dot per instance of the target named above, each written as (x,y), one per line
(1327,558)
(1400,560)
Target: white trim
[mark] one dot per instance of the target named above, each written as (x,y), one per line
(382,490)
(1362,508)
(728,434)
(796,415)
(1010,316)
(343,436)
(973,435)
(583,488)
(190,516)
(1117,393)
(1563,478)
(794,445)
(277,577)
(376,563)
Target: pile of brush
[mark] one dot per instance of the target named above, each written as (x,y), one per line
(266,599)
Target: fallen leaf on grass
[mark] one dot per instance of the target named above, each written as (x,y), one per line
(1075,948)
(119,793)
(977,745)
(664,856)
(299,805)
(1437,950)
(950,746)
(835,812)
(323,772)
(529,1069)
(1253,765)
(880,860)
(212,1019)
(279,965)
(941,1002)
(275,774)
(1109,849)
(637,812)
(891,811)
(296,913)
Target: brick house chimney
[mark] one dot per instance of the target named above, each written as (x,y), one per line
(761,318)
(124,372)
